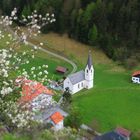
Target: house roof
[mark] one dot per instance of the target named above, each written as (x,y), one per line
(31,89)
(61,69)
(57,117)
(123,131)
(110,136)
(89,61)
(136,73)
(77,77)
(45,115)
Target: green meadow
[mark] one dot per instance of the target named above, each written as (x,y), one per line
(114,101)
(41,58)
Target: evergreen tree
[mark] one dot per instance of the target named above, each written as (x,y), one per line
(67,98)
(92,35)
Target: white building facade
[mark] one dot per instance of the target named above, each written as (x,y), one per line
(81,79)
(58,126)
(136,77)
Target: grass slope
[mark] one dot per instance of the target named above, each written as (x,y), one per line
(114,100)
(41,58)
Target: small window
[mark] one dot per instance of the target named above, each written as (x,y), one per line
(137,79)
(133,78)
(87,71)
(82,85)
(91,71)
(78,85)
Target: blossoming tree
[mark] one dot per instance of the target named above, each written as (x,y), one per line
(12,37)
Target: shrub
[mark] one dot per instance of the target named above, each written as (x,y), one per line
(120,53)
(74,118)
(131,63)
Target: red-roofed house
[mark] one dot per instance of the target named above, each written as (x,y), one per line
(124,132)
(136,77)
(35,94)
(57,120)
(37,97)
(118,134)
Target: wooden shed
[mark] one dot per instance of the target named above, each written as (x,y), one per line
(61,69)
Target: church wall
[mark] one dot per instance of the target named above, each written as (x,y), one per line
(79,86)
(67,83)
(88,84)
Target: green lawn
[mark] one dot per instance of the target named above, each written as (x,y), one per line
(113,101)
(42,58)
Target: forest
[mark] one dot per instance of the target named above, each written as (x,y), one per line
(112,25)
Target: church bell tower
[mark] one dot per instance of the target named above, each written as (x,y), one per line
(89,73)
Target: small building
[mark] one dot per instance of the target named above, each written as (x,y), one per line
(57,120)
(61,69)
(124,132)
(117,134)
(136,77)
(53,115)
(38,98)
(35,95)
(82,79)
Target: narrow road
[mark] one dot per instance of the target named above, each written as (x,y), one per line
(58,56)
(47,51)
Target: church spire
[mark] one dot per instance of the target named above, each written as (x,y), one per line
(89,61)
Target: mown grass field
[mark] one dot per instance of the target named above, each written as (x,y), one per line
(41,58)
(114,100)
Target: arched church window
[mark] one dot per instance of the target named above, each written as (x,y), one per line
(87,71)
(91,71)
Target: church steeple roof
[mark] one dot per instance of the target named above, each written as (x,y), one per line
(89,61)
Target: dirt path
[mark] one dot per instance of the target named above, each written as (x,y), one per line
(58,56)
(47,51)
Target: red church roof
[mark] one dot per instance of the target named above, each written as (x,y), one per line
(57,117)
(136,73)
(123,131)
(31,89)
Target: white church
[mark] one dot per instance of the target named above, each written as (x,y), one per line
(82,79)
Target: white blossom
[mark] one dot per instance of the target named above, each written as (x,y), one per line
(41,44)
(6,91)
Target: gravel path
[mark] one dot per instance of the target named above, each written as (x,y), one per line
(49,52)
(58,56)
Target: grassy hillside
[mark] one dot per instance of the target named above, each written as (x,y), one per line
(114,100)
(41,58)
